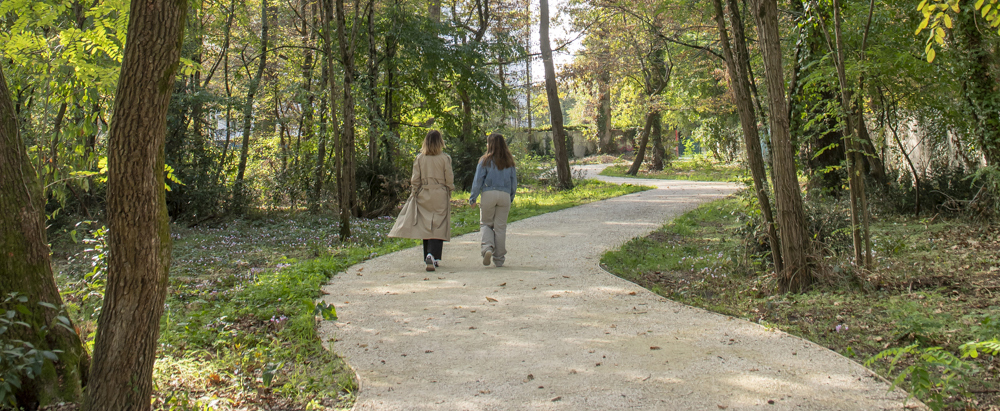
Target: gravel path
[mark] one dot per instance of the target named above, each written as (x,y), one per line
(551,330)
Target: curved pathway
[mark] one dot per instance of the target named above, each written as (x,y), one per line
(551,330)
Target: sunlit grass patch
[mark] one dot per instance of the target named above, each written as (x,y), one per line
(682,169)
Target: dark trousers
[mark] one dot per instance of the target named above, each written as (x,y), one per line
(433,247)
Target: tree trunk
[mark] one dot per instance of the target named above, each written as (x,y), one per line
(434,10)
(345,152)
(979,84)
(248,105)
(797,275)
(640,152)
(139,243)
(855,156)
(555,109)
(604,137)
(374,122)
(656,137)
(25,268)
(740,85)
(319,172)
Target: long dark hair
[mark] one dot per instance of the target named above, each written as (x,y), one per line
(497,152)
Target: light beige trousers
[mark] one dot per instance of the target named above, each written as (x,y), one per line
(493,211)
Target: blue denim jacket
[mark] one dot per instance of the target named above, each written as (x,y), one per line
(489,178)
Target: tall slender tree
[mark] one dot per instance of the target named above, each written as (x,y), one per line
(555,108)
(797,274)
(248,105)
(737,64)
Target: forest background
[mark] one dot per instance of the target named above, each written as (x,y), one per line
(316,108)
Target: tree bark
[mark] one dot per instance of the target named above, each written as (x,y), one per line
(139,242)
(248,104)
(604,137)
(797,275)
(25,268)
(656,137)
(979,83)
(740,85)
(374,122)
(640,152)
(434,10)
(345,144)
(855,156)
(555,109)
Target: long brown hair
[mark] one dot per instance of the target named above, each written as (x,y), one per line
(497,152)
(433,143)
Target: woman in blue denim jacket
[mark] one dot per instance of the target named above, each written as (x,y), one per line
(496,180)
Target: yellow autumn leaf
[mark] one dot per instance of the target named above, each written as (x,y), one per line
(947,21)
(930,56)
(923,24)
(979,4)
(954,6)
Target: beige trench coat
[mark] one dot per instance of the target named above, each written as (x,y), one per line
(427,213)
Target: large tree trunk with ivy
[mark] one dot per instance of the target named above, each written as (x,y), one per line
(739,83)
(139,241)
(978,84)
(797,274)
(555,109)
(25,268)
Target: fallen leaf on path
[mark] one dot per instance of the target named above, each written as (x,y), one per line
(722,407)
(428,351)
(565,276)
(631,293)
(654,348)
(555,296)
(556,399)
(491,299)
(504,284)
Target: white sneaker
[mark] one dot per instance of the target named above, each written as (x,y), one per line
(429,259)
(487,256)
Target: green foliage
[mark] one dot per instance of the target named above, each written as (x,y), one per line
(20,359)
(938,17)
(935,376)
(986,202)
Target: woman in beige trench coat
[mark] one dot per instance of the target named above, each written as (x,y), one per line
(427,213)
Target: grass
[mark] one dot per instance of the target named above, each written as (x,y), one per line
(239,331)
(694,169)
(935,285)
